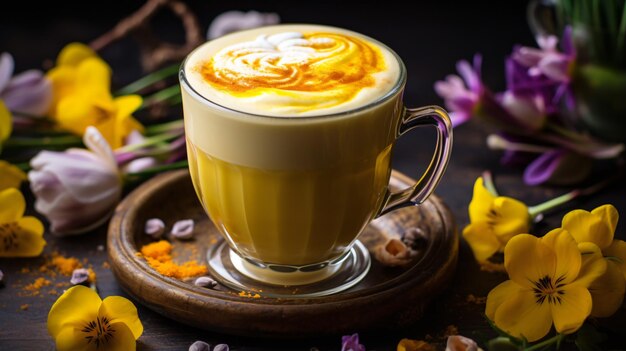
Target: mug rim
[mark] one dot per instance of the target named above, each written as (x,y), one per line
(397,87)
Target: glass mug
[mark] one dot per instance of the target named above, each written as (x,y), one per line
(291,194)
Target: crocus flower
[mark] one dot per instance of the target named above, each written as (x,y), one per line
(80,320)
(462,95)
(414,345)
(232,21)
(19,236)
(351,343)
(494,220)
(82,97)
(598,227)
(28,92)
(10,176)
(548,286)
(6,123)
(461,343)
(76,189)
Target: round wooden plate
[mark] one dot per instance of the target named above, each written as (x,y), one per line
(388,297)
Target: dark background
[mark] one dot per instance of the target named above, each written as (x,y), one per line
(429,39)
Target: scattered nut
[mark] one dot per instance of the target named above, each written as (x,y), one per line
(206,282)
(183,229)
(394,253)
(221,347)
(200,346)
(154,227)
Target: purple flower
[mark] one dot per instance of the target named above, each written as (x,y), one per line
(543,72)
(232,21)
(462,95)
(351,343)
(77,189)
(28,92)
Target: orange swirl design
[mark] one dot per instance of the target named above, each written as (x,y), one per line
(330,66)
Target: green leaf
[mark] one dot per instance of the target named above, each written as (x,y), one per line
(589,338)
(502,344)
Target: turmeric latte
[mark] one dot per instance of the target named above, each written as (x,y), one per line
(296,70)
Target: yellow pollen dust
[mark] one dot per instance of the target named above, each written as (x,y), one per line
(336,63)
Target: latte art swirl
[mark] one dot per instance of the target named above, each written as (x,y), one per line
(308,71)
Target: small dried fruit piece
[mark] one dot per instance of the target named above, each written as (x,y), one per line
(394,253)
(154,227)
(183,229)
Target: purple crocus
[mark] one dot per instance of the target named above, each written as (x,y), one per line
(462,95)
(28,93)
(77,189)
(351,343)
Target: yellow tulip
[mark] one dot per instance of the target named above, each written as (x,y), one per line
(10,176)
(598,227)
(80,321)
(81,96)
(494,220)
(19,236)
(549,281)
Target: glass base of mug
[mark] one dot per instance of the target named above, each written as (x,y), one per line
(238,273)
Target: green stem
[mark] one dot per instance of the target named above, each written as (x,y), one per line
(59,141)
(25,167)
(541,208)
(553,340)
(148,80)
(163,95)
(158,169)
(165,127)
(148,142)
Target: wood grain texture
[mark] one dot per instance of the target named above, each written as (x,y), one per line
(392,297)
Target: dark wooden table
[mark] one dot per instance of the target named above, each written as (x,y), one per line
(430,41)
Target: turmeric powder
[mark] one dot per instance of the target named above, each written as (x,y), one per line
(65,265)
(158,255)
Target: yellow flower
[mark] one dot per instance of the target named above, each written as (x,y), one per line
(82,97)
(80,321)
(19,236)
(414,345)
(548,285)
(10,176)
(6,122)
(494,220)
(598,227)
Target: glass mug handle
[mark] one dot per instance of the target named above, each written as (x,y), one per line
(419,192)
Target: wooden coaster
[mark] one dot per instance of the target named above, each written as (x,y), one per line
(388,297)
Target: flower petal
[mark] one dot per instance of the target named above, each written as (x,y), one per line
(568,260)
(593,264)
(29,241)
(76,307)
(6,122)
(586,226)
(28,92)
(94,76)
(10,176)
(127,104)
(74,53)
(120,309)
(618,250)
(481,202)
(12,205)
(72,339)
(573,309)
(524,249)
(609,215)
(6,69)
(63,80)
(521,316)
(481,240)
(512,218)
(498,295)
(607,292)
(123,339)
